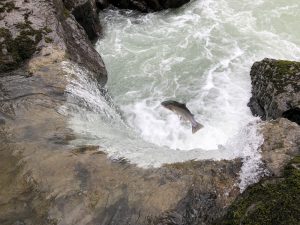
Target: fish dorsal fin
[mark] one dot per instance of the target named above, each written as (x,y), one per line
(184,105)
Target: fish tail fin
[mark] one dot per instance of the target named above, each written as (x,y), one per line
(196,126)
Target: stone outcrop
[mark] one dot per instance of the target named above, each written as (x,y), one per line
(275,199)
(275,89)
(44,179)
(271,201)
(86,14)
(281,144)
(31,30)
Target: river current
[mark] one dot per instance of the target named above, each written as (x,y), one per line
(200,54)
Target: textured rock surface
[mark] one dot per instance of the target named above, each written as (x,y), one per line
(85,13)
(34,29)
(63,184)
(275,88)
(48,181)
(275,199)
(281,144)
(45,180)
(271,201)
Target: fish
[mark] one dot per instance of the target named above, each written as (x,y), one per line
(183,112)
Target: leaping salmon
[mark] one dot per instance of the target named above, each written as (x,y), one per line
(184,112)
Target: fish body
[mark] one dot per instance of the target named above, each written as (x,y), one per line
(183,112)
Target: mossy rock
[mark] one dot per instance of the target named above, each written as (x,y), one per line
(285,73)
(287,67)
(272,201)
(16,50)
(7,7)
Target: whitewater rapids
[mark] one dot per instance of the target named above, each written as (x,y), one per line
(200,54)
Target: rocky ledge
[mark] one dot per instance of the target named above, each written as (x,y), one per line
(46,180)
(275,199)
(272,201)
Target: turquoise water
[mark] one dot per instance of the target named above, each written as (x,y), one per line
(200,54)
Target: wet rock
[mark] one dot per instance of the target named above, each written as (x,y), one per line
(275,89)
(102,4)
(281,144)
(19,42)
(34,31)
(21,202)
(173,3)
(45,178)
(143,5)
(80,186)
(271,201)
(292,115)
(85,13)
(212,190)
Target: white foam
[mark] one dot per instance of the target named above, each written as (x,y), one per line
(98,123)
(246,145)
(200,54)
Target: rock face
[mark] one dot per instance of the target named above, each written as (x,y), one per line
(281,144)
(142,5)
(275,199)
(271,201)
(44,179)
(275,89)
(86,14)
(34,29)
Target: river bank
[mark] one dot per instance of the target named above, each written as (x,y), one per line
(46,178)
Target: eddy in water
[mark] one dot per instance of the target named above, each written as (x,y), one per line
(183,112)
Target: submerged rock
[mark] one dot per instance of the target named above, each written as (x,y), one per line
(275,89)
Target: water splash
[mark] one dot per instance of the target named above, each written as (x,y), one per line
(200,54)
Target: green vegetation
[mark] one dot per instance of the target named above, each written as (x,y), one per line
(7,7)
(284,73)
(66,13)
(16,50)
(272,201)
(48,40)
(20,48)
(184,166)
(287,67)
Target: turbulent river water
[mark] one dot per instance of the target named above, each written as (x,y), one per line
(200,54)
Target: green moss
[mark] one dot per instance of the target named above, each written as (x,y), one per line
(283,73)
(66,12)
(287,67)
(48,40)
(47,30)
(86,148)
(273,201)
(7,7)
(22,47)
(183,166)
